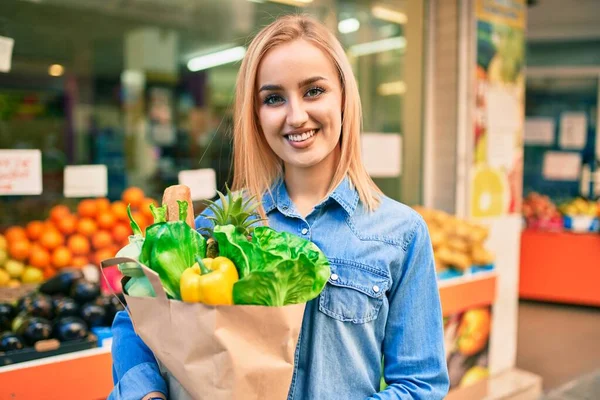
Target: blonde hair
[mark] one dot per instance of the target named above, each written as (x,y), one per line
(256,167)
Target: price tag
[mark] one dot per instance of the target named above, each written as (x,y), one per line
(202,182)
(86,181)
(20,172)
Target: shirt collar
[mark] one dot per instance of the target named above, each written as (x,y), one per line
(344,194)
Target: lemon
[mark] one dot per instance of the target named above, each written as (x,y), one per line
(14,268)
(489,192)
(32,275)
(3,243)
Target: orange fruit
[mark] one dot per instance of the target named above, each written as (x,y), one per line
(145,207)
(39,257)
(87,208)
(79,245)
(15,233)
(101,240)
(102,204)
(121,232)
(87,227)
(58,212)
(19,249)
(49,272)
(61,257)
(34,230)
(79,261)
(133,196)
(106,220)
(51,239)
(119,211)
(104,254)
(67,225)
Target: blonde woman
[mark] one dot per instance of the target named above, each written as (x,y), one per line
(297,148)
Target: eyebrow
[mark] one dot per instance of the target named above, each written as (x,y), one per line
(301,84)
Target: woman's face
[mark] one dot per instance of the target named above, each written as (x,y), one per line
(300,105)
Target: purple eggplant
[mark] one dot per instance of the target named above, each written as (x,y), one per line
(66,307)
(84,291)
(7,313)
(62,282)
(70,328)
(34,329)
(93,314)
(9,341)
(36,305)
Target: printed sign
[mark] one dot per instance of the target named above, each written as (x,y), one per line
(86,181)
(20,172)
(202,182)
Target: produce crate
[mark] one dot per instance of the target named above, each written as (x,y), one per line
(47,348)
(9,295)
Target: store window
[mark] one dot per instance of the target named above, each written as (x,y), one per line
(146,87)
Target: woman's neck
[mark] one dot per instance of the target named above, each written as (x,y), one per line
(307,187)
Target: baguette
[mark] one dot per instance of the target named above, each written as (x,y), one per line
(170,197)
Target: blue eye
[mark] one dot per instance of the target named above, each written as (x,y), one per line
(314,92)
(272,100)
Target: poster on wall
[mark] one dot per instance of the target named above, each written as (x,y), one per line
(499,113)
(467,339)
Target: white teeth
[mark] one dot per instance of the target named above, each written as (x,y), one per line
(302,137)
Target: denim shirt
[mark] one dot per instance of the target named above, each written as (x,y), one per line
(381,300)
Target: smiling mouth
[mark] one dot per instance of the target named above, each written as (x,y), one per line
(301,137)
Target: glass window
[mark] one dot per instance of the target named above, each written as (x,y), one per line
(146,87)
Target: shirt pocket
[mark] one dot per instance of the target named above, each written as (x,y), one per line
(354,293)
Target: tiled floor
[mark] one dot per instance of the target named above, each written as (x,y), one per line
(562,345)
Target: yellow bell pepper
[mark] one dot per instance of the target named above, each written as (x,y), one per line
(209,281)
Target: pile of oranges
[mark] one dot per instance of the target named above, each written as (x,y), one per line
(96,230)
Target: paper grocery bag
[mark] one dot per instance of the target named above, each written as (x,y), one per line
(217,352)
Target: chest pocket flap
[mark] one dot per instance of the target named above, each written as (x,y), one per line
(354,292)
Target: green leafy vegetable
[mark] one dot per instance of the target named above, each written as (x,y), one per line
(171,247)
(276,268)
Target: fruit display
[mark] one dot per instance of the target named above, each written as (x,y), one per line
(457,244)
(580,207)
(94,230)
(64,308)
(540,212)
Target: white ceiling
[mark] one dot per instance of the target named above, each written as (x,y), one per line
(550,20)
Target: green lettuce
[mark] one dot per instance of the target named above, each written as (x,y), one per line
(276,268)
(170,247)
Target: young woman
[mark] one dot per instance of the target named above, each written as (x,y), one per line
(297,148)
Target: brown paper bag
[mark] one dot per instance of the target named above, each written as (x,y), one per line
(217,352)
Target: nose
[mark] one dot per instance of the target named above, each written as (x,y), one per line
(296,114)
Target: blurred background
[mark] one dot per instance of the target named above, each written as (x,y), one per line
(480,114)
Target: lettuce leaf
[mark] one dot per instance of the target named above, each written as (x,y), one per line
(276,268)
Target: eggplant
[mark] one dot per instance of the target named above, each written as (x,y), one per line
(70,328)
(34,329)
(62,282)
(36,305)
(84,291)
(9,341)
(93,314)
(66,307)
(111,306)
(7,313)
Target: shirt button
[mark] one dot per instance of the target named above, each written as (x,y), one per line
(334,277)
(284,208)
(304,231)
(376,289)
